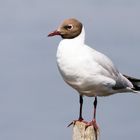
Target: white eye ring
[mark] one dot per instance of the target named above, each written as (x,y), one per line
(69,26)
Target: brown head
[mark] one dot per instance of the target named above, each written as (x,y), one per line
(70,28)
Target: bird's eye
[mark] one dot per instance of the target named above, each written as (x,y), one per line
(69,27)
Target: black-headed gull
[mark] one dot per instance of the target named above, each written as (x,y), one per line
(88,71)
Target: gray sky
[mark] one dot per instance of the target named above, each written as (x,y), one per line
(35,103)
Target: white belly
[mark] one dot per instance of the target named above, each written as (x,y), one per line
(86,81)
(81,70)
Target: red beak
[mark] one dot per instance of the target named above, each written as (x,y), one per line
(54,33)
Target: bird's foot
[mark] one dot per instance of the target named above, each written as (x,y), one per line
(92,123)
(79,120)
(95,126)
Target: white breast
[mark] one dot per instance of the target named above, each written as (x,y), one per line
(91,73)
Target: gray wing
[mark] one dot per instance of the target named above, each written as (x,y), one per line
(122,83)
(112,72)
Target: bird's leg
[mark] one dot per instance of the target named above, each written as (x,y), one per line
(80,112)
(93,122)
(95,106)
(81,108)
(94,114)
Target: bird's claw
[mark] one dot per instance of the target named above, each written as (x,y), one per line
(95,127)
(71,124)
(79,120)
(92,123)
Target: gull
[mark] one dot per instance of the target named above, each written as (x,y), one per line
(87,70)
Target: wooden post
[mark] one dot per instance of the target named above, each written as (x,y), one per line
(80,133)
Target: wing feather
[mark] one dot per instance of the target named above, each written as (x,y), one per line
(111,71)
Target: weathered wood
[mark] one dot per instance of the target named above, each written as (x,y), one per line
(80,133)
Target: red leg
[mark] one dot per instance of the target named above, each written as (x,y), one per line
(80,112)
(93,122)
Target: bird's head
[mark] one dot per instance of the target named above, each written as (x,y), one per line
(70,28)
